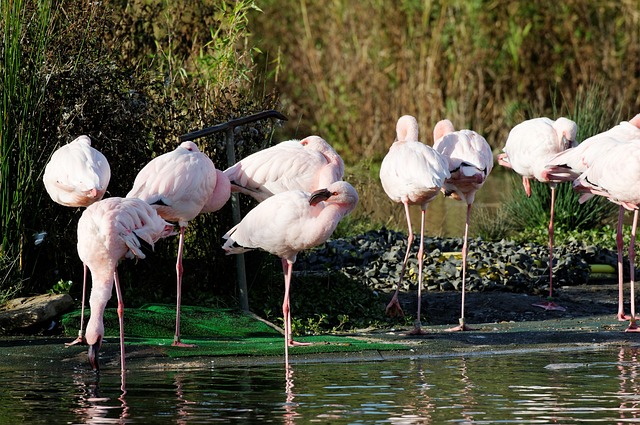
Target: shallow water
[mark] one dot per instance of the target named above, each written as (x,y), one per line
(540,388)
(445,217)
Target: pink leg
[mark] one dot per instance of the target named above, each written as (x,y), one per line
(550,305)
(527,186)
(394,308)
(287,268)
(633,327)
(80,339)
(176,338)
(465,248)
(619,242)
(418,325)
(121,321)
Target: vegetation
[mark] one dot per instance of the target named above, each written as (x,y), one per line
(347,70)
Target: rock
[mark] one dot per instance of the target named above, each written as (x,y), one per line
(21,313)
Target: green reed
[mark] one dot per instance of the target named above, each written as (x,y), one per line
(22,94)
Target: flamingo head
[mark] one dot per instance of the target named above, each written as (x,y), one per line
(93,354)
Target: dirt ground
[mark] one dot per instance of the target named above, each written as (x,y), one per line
(443,308)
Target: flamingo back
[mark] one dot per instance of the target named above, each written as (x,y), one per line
(77,175)
(290,165)
(179,182)
(413,172)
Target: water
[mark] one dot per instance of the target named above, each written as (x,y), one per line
(445,217)
(534,388)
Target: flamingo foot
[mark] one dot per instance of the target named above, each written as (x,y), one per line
(393,308)
(417,330)
(633,326)
(78,341)
(292,343)
(461,327)
(183,345)
(550,305)
(622,317)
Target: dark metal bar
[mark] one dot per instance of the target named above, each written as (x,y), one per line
(232,124)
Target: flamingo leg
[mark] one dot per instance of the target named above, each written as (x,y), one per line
(393,308)
(633,326)
(619,241)
(418,325)
(121,322)
(287,268)
(550,305)
(179,270)
(80,339)
(465,248)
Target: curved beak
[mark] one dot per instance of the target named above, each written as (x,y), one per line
(319,196)
(93,354)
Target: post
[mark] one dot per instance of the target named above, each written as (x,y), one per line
(235,213)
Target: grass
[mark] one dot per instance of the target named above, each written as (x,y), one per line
(217,332)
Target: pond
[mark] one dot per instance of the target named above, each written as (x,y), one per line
(445,217)
(544,387)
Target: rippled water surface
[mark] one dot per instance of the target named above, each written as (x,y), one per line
(540,388)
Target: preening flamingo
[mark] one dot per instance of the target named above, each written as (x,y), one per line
(570,164)
(529,148)
(616,175)
(470,162)
(108,231)
(287,223)
(77,175)
(307,164)
(180,183)
(412,173)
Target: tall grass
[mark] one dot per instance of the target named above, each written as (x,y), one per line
(22,96)
(349,69)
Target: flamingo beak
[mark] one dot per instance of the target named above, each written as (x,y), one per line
(93,354)
(319,196)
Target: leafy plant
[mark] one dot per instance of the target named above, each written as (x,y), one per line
(61,287)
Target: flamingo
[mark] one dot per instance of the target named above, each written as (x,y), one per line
(412,173)
(307,164)
(180,183)
(616,175)
(570,164)
(108,231)
(77,175)
(529,147)
(470,162)
(287,223)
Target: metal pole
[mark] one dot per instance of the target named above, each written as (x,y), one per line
(235,213)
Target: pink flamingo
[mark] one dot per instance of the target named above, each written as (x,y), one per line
(109,231)
(616,175)
(470,162)
(412,173)
(77,175)
(530,146)
(570,164)
(287,223)
(181,184)
(307,165)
